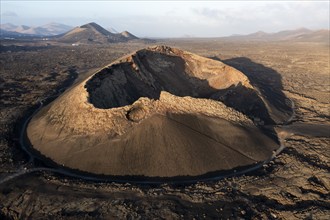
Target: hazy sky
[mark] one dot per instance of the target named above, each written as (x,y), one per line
(173,18)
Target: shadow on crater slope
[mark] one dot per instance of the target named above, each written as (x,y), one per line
(268,84)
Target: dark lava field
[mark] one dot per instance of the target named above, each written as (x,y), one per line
(294,185)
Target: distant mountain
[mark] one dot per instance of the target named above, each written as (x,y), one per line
(7,34)
(21,29)
(301,34)
(259,34)
(14,28)
(93,33)
(290,34)
(12,34)
(128,35)
(315,36)
(50,29)
(55,28)
(8,27)
(112,30)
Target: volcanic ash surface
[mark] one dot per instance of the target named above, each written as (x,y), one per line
(159,112)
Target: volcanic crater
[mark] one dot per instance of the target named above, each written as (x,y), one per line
(159,113)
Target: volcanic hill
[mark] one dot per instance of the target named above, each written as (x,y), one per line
(50,29)
(93,33)
(158,113)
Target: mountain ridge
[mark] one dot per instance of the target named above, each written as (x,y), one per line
(50,29)
(300,34)
(93,33)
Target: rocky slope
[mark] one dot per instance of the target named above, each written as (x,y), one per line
(156,113)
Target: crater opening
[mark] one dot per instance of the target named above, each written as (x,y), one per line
(148,72)
(148,75)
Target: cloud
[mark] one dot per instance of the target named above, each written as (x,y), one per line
(266,16)
(208,12)
(9,14)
